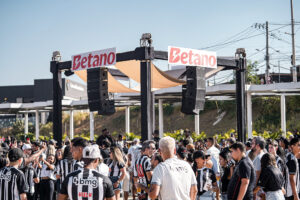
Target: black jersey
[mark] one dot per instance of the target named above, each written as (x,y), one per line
(12,183)
(87,184)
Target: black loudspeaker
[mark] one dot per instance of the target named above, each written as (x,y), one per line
(193,93)
(97,88)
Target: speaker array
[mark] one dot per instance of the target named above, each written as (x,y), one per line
(97,89)
(193,93)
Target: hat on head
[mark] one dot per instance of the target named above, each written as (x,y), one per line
(136,140)
(91,152)
(15,154)
(26,146)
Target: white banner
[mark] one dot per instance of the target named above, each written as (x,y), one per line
(94,59)
(191,57)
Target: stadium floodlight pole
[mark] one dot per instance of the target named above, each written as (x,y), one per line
(240,57)
(293,45)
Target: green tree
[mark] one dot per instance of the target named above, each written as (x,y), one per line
(251,73)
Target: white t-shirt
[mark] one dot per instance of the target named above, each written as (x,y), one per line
(256,161)
(135,153)
(214,152)
(46,172)
(175,178)
(103,169)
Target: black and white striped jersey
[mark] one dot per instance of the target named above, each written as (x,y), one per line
(142,165)
(12,183)
(30,174)
(205,178)
(37,169)
(292,164)
(76,165)
(114,168)
(63,168)
(87,184)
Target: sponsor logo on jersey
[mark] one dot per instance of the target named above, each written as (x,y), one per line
(6,177)
(88,181)
(85,194)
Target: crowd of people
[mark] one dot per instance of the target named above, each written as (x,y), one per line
(162,168)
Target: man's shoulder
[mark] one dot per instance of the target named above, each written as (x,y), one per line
(213,149)
(104,178)
(144,157)
(103,165)
(290,157)
(132,148)
(75,173)
(246,163)
(16,171)
(173,162)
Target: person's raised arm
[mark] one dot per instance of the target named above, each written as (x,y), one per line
(36,155)
(52,167)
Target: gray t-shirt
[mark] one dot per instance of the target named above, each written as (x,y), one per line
(175,178)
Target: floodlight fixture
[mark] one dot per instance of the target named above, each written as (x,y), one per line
(56,56)
(146,40)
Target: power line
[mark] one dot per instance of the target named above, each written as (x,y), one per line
(231,37)
(256,53)
(248,37)
(225,41)
(226,45)
(278,51)
(232,41)
(280,24)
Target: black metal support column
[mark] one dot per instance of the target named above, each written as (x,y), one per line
(146,100)
(153,114)
(240,94)
(57,104)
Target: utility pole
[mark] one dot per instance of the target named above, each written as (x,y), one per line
(279,70)
(293,45)
(267,54)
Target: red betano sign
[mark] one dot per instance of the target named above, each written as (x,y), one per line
(94,59)
(191,57)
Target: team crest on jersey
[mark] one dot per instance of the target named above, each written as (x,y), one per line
(86,181)
(6,177)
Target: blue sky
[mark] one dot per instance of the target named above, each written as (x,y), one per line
(31,30)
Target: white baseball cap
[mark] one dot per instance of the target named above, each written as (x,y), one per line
(136,140)
(26,146)
(92,152)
